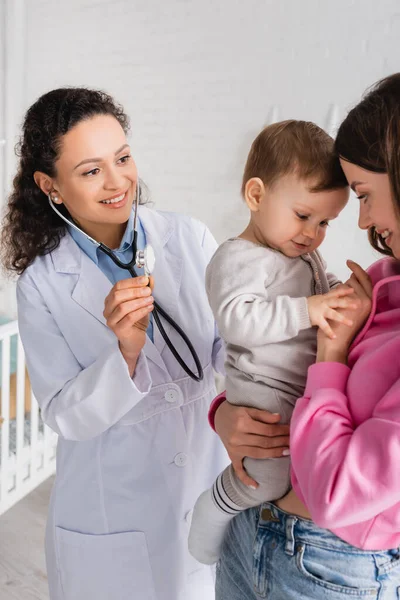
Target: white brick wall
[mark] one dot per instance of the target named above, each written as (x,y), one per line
(200,78)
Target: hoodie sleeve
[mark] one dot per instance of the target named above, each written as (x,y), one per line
(345,474)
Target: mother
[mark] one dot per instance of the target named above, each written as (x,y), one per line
(337,533)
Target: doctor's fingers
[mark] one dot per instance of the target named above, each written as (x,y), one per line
(118,298)
(131,311)
(133,321)
(131,282)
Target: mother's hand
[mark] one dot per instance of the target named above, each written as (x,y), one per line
(250,432)
(337,349)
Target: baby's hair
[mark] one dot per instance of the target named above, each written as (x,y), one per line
(295,147)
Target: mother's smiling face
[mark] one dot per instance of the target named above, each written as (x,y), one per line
(377,208)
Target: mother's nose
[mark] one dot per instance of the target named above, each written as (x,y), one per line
(364,219)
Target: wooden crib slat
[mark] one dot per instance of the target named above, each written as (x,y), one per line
(23,467)
(20,412)
(5,415)
(34,435)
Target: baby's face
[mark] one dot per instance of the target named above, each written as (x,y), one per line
(294,220)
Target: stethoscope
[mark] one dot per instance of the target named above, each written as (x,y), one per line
(145,259)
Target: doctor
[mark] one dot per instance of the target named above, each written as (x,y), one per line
(135,449)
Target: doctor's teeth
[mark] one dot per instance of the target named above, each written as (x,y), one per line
(114,200)
(385,234)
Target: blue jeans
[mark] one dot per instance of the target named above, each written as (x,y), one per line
(268,553)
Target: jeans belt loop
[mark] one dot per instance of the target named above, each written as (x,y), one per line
(289,530)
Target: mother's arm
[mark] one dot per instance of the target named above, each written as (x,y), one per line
(343,473)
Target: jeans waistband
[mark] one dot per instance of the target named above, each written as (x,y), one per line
(296,529)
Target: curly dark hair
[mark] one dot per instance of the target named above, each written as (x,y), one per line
(30,227)
(370,138)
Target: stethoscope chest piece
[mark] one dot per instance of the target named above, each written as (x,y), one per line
(146,259)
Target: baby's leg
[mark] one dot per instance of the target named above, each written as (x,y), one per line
(216,507)
(272,474)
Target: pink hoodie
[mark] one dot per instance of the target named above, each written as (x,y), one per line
(345,431)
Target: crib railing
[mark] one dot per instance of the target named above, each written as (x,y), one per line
(27,445)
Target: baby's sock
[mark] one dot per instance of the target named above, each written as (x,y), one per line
(211,516)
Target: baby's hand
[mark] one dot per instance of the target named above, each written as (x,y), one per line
(321,308)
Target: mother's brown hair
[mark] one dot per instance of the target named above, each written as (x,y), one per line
(370,138)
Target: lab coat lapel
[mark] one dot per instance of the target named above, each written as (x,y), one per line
(92,286)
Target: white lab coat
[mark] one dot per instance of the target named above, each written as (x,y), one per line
(133,453)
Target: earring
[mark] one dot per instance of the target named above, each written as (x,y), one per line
(55,199)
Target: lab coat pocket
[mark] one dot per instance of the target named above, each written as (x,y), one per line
(104,567)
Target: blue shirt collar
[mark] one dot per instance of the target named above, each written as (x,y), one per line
(92,251)
(127,239)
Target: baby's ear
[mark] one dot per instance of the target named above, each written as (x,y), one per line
(254,192)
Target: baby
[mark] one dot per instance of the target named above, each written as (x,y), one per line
(269,291)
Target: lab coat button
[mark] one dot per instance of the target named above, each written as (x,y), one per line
(171,396)
(181,459)
(188,517)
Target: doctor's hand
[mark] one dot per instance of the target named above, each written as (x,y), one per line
(127,311)
(250,432)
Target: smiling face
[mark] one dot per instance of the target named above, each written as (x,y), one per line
(95,178)
(289,217)
(376,203)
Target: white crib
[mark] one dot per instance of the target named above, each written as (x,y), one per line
(27,446)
